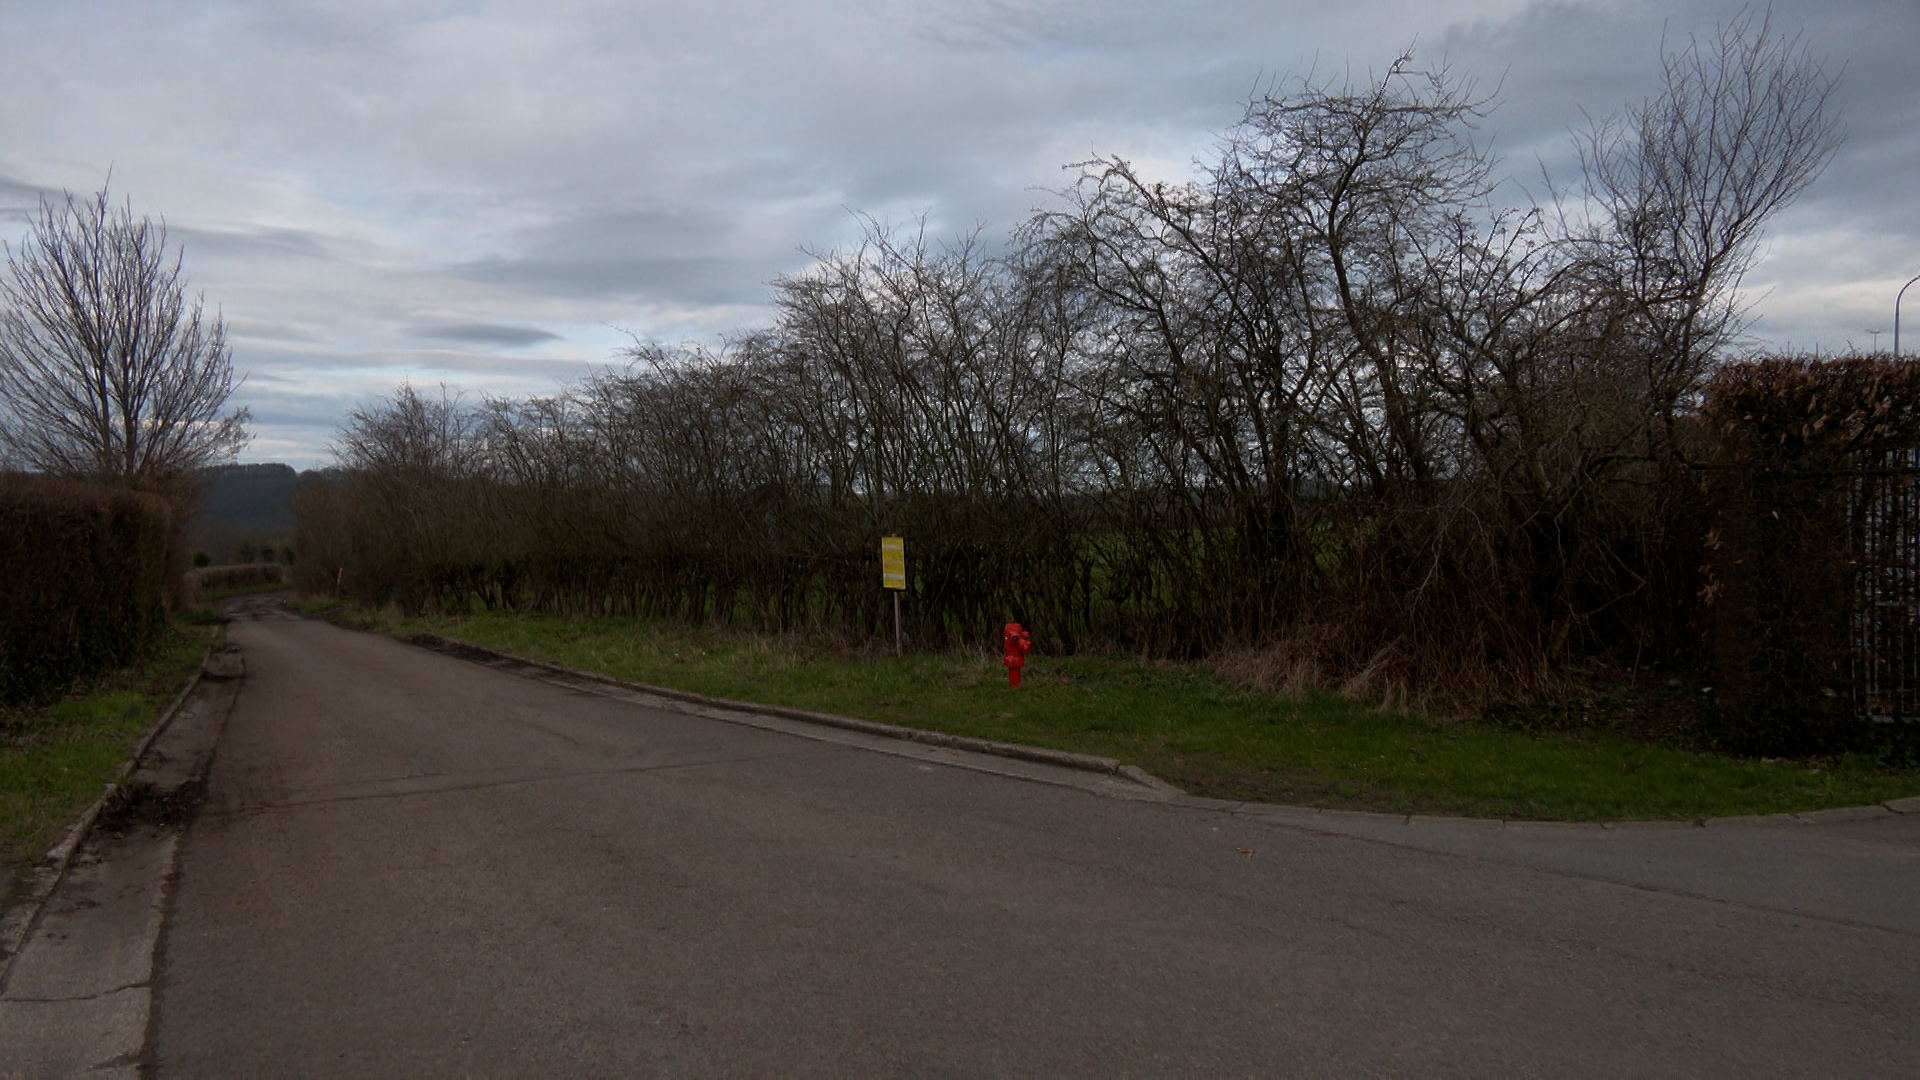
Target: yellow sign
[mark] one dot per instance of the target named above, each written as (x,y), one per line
(893,562)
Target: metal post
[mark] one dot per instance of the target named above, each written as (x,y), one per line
(896,622)
(1896,314)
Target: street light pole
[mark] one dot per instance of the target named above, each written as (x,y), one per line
(1896,314)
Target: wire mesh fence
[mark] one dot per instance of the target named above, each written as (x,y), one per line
(1886,617)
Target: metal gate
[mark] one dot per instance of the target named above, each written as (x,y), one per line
(1886,613)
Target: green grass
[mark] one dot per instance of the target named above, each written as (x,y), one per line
(55,759)
(1190,727)
(318,607)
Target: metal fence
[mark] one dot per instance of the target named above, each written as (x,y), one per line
(1885,513)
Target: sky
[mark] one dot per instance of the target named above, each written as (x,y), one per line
(497,195)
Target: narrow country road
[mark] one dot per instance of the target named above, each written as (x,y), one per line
(409,864)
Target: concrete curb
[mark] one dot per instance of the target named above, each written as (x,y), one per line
(1873,812)
(20,921)
(1039,755)
(1171,795)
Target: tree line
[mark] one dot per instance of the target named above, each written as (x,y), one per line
(1334,394)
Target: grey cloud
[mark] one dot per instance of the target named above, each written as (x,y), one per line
(1003,24)
(655,256)
(18,199)
(693,280)
(616,234)
(356,179)
(430,365)
(246,329)
(304,27)
(248,243)
(510,337)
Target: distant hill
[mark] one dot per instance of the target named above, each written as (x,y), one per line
(245,506)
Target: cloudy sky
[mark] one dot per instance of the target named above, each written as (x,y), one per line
(491,194)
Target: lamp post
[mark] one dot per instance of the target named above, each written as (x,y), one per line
(1896,313)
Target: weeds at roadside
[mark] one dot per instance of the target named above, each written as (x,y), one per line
(57,757)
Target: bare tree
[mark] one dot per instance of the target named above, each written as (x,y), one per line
(1332,394)
(1685,183)
(108,370)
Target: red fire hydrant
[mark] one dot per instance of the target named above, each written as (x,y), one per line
(1017,645)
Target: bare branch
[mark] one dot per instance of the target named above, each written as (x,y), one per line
(108,370)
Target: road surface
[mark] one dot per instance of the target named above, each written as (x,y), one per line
(410,864)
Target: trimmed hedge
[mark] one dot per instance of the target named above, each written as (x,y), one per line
(1793,439)
(85,578)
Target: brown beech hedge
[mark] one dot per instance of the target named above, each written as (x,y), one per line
(84,581)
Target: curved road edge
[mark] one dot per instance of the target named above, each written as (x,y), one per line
(1160,789)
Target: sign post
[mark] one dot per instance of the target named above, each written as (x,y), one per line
(893,576)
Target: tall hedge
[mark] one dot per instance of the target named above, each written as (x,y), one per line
(84,582)
(1799,443)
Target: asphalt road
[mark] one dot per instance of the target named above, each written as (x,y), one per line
(411,864)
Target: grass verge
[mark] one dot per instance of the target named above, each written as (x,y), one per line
(1189,726)
(56,758)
